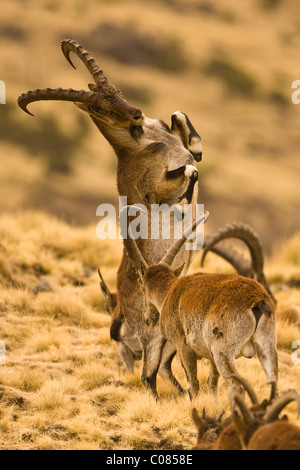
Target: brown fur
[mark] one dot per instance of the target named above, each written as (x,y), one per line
(276,436)
(226,433)
(216,316)
(128,344)
(152,159)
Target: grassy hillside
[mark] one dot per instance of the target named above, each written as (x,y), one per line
(63,385)
(229,67)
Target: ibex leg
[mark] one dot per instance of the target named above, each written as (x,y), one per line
(165,370)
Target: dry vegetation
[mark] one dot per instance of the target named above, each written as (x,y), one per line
(64,386)
(229,66)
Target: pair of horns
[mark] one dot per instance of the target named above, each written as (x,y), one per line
(134,252)
(248,268)
(91,97)
(273,410)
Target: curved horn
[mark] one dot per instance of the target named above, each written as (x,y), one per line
(130,244)
(229,254)
(235,398)
(174,249)
(58,94)
(220,416)
(247,235)
(68,45)
(275,409)
(247,387)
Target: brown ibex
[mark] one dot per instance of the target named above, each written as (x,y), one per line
(123,334)
(216,316)
(127,342)
(266,431)
(155,166)
(253,428)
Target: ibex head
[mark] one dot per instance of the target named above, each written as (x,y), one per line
(103,101)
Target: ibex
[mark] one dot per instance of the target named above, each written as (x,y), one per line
(239,430)
(229,437)
(155,166)
(216,316)
(123,334)
(127,342)
(266,431)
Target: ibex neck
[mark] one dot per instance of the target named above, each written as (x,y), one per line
(159,279)
(118,137)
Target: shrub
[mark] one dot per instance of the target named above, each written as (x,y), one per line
(129,46)
(236,79)
(45,136)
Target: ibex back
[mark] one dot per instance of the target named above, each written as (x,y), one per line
(216,316)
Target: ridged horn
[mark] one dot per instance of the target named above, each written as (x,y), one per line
(69,45)
(129,242)
(244,233)
(248,388)
(235,398)
(275,409)
(59,94)
(229,254)
(177,245)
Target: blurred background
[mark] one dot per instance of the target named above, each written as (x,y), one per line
(228,65)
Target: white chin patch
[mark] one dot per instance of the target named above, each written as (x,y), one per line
(189,170)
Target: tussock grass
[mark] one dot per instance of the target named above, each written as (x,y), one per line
(64,385)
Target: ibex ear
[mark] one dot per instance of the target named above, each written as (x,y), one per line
(178,270)
(104,291)
(182,126)
(103,286)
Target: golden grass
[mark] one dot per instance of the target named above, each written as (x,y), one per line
(64,385)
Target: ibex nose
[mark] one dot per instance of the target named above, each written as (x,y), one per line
(138,116)
(197,156)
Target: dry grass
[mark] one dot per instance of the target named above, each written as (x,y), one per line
(64,386)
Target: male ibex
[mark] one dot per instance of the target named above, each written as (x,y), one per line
(265,431)
(127,342)
(123,334)
(155,166)
(252,427)
(216,316)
